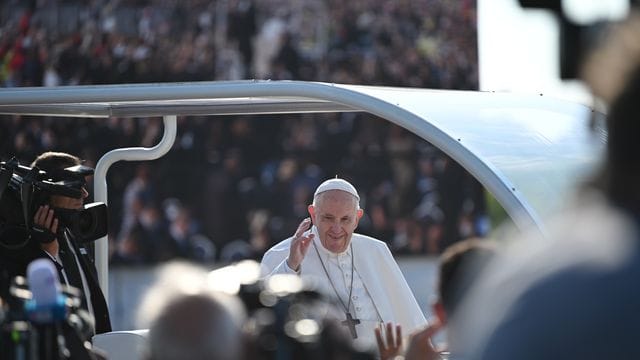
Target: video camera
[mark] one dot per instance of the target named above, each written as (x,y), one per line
(23,189)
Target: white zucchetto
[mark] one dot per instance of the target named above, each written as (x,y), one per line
(337,184)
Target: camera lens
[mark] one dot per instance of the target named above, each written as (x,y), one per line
(86,223)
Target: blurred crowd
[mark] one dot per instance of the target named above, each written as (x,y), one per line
(234,185)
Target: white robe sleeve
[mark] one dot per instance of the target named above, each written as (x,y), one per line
(386,284)
(274,260)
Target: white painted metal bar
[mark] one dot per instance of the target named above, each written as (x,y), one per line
(242,106)
(100,185)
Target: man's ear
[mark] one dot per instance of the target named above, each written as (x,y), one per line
(312,212)
(359,214)
(439,311)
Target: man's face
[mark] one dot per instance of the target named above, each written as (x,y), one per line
(65,202)
(336,216)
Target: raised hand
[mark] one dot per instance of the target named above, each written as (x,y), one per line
(299,245)
(45,219)
(391,346)
(45,226)
(421,344)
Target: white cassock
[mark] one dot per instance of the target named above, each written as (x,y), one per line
(380,292)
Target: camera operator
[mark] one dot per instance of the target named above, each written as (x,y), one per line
(54,238)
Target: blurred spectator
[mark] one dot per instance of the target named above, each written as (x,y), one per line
(188,320)
(573,294)
(460,267)
(186,239)
(242,29)
(222,203)
(137,194)
(197,326)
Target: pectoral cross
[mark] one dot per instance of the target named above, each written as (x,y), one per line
(351,324)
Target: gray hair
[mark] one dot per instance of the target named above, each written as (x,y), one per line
(198,326)
(187,319)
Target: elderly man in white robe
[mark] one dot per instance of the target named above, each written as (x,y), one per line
(357,270)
